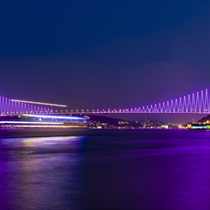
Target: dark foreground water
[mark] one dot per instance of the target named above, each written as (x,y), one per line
(130,170)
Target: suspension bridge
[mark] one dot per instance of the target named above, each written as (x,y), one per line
(195,103)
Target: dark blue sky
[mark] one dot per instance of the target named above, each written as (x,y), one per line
(107,54)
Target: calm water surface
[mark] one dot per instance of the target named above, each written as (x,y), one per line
(130,170)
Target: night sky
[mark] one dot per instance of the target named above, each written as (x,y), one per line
(105,54)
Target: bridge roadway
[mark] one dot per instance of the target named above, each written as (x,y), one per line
(128,112)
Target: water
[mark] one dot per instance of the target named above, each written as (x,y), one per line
(146,169)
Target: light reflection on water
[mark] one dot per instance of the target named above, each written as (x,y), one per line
(147,170)
(40,173)
(35,141)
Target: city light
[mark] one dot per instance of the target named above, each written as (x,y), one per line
(56,117)
(28,122)
(40,126)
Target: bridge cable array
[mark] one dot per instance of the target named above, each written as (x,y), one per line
(194,103)
(9,107)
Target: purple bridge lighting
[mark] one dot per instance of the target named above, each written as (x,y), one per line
(198,103)
(15,107)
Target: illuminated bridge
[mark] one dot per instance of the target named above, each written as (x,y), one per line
(14,107)
(195,103)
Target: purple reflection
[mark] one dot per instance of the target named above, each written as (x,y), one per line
(40,173)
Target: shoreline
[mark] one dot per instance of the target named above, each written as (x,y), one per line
(21,133)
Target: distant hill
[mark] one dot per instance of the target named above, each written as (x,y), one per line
(108,122)
(104,119)
(204,119)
